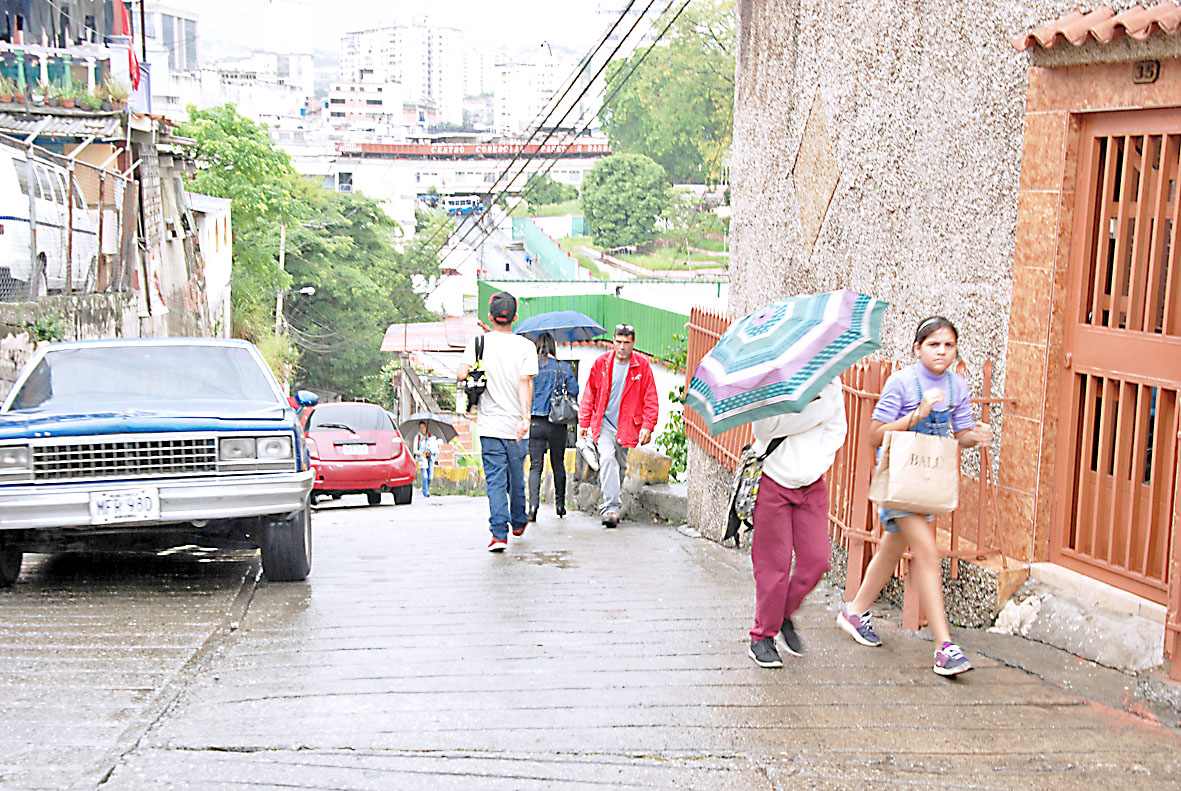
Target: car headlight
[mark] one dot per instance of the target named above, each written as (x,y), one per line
(236,448)
(14,457)
(274,448)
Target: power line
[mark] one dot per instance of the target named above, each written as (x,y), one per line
(605,102)
(538,127)
(585,90)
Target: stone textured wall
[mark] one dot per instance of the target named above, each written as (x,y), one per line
(84,318)
(877,146)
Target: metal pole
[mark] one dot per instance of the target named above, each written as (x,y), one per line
(34,259)
(279,290)
(102,183)
(143,30)
(70,229)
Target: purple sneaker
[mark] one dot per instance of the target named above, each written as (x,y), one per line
(859,627)
(950,660)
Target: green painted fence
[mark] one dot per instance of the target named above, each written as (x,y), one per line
(656,328)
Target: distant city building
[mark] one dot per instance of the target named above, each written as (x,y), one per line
(176,30)
(524,93)
(428,61)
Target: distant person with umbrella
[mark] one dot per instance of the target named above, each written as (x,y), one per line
(552,375)
(618,411)
(426,450)
(779,369)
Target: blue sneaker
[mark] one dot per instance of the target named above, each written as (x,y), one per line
(950,660)
(859,627)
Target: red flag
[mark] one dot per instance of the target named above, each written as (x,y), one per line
(122,27)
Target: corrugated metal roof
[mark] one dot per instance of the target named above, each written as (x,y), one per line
(25,123)
(1104,25)
(449,335)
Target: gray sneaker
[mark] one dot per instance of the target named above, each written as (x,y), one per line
(763,653)
(950,660)
(791,640)
(859,627)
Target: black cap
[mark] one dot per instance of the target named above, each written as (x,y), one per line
(502,307)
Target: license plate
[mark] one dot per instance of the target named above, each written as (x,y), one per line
(126,505)
(355,449)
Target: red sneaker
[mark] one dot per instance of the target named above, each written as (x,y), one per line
(497,544)
(519,531)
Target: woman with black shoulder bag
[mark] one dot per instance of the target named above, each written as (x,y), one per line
(555,397)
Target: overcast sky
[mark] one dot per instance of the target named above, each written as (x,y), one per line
(304,25)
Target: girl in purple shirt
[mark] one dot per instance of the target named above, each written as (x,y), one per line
(929,398)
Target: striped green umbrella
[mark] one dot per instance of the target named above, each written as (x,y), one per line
(778,359)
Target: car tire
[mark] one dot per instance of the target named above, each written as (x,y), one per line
(10,565)
(403,494)
(374,497)
(313,499)
(287,547)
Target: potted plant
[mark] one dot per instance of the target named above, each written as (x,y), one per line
(39,93)
(91,100)
(67,95)
(7,89)
(117,92)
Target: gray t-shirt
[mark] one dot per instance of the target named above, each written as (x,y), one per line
(618,379)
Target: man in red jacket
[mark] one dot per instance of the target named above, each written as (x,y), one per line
(619,410)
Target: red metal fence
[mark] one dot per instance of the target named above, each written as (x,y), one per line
(972,531)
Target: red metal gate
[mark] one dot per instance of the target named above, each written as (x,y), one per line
(1121,375)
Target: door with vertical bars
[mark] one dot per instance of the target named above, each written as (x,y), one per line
(1119,419)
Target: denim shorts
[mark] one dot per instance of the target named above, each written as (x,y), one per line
(887,516)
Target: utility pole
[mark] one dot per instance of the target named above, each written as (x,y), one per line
(279,290)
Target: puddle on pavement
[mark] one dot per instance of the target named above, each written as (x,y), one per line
(559,558)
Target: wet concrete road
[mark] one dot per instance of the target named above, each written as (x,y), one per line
(581,658)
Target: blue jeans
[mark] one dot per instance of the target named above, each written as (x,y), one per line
(504,480)
(428,473)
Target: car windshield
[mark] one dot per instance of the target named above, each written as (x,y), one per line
(350,418)
(105,377)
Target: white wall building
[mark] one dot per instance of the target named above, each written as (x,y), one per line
(428,61)
(526,92)
(396,174)
(176,30)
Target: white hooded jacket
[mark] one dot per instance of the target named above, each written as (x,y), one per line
(811,439)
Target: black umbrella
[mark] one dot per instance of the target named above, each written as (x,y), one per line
(435,424)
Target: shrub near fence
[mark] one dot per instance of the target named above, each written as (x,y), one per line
(972,531)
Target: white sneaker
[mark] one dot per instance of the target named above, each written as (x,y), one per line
(589,450)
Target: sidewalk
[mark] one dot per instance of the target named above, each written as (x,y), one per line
(583,657)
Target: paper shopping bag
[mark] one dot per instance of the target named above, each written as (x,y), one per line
(918,473)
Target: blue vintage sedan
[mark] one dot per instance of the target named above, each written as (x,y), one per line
(153,443)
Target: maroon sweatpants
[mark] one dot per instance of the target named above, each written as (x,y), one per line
(786,520)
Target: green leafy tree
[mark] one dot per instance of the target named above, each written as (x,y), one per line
(363,283)
(238,160)
(687,219)
(678,105)
(622,196)
(541,190)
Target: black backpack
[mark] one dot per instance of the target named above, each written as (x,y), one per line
(477,379)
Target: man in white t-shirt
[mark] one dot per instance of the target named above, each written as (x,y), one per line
(509,362)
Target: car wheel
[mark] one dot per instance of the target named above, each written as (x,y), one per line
(287,547)
(10,565)
(374,497)
(403,494)
(313,499)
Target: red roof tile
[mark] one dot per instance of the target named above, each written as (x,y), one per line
(1104,25)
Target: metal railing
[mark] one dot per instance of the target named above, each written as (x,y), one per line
(66,226)
(971,531)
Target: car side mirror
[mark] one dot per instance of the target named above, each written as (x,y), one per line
(306,398)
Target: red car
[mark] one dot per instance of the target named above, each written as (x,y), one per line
(357,449)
